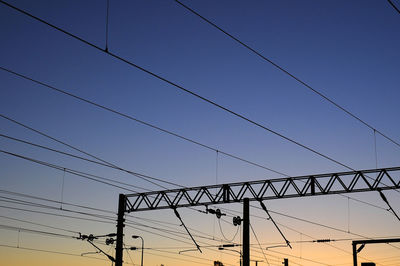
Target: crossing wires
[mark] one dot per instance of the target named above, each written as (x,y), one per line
(180,87)
(285,71)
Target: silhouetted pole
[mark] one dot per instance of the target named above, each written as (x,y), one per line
(120,230)
(285,262)
(246,232)
(354,254)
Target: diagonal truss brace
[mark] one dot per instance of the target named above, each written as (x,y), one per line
(290,187)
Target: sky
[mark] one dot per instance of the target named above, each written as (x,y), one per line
(346,50)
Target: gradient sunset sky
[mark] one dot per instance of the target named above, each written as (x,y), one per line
(347,50)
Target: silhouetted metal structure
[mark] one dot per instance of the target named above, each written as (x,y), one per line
(369,241)
(279,188)
(290,187)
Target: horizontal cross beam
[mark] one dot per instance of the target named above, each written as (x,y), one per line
(269,189)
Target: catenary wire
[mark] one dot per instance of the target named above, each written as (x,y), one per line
(315,223)
(53,252)
(53,201)
(262,250)
(308,86)
(307,221)
(394,6)
(44,206)
(106,165)
(77,173)
(38,224)
(78,157)
(59,215)
(56,209)
(23,229)
(142,122)
(164,236)
(300,219)
(94,215)
(74,217)
(86,153)
(179,87)
(128,223)
(107,22)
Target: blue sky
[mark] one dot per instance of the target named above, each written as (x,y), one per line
(347,50)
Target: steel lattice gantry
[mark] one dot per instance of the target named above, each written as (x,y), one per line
(290,187)
(279,188)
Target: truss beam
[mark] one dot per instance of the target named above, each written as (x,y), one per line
(280,188)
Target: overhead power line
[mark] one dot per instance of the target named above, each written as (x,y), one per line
(394,6)
(74,172)
(59,215)
(299,218)
(22,229)
(387,202)
(54,201)
(53,252)
(143,177)
(39,224)
(106,165)
(178,86)
(49,207)
(82,158)
(308,86)
(138,121)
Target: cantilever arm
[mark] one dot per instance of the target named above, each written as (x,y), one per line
(277,227)
(101,251)
(187,230)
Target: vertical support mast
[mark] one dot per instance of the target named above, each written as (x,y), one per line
(120,230)
(354,253)
(246,232)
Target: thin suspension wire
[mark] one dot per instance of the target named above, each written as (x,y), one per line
(223,235)
(49,207)
(54,201)
(107,18)
(81,158)
(271,211)
(23,229)
(19,232)
(287,72)
(216,190)
(38,224)
(180,87)
(262,250)
(348,215)
(128,224)
(376,151)
(62,189)
(106,165)
(63,168)
(59,215)
(169,132)
(143,123)
(74,172)
(302,220)
(127,250)
(143,177)
(53,252)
